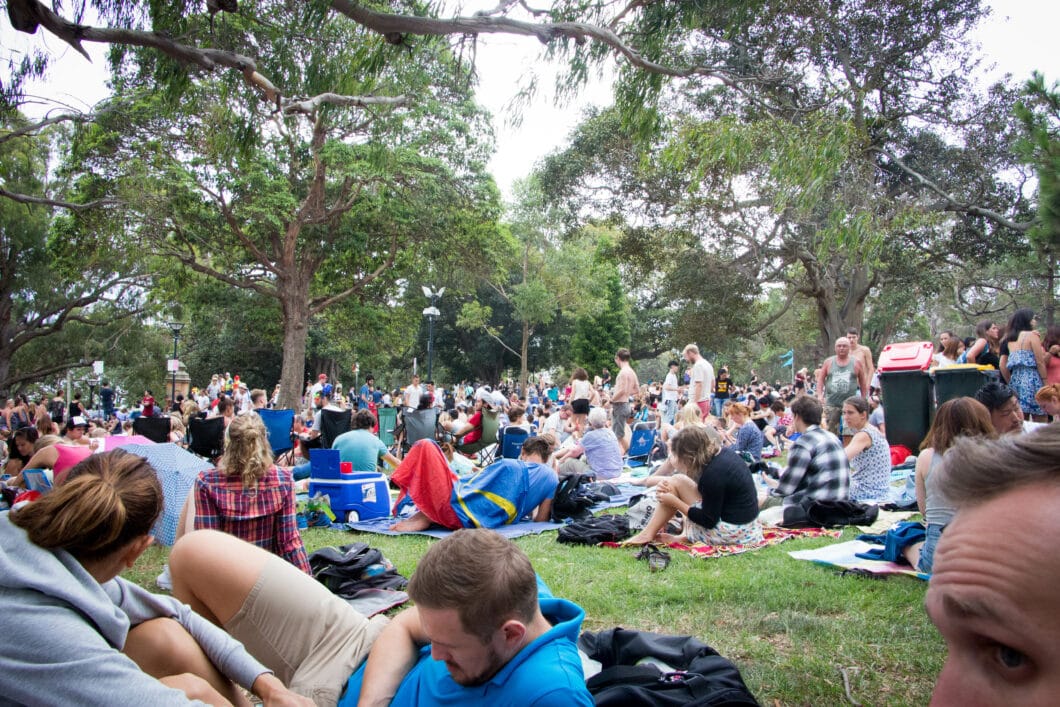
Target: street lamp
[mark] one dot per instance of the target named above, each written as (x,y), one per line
(174,327)
(431,312)
(92,383)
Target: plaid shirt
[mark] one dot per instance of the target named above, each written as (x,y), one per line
(817,469)
(264,516)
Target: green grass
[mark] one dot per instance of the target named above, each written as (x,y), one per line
(791,627)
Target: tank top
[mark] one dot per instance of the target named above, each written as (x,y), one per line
(937,508)
(841,382)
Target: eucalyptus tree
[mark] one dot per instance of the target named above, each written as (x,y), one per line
(61,287)
(339,193)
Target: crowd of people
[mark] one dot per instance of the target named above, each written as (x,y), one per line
(246,613)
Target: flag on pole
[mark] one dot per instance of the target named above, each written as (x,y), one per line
(788,358)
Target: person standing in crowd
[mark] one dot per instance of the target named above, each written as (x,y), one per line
(625,389)
(840,377)
(1023,362)
(722,391)
(986,351)
(670,394)
(701,379)
(861,353)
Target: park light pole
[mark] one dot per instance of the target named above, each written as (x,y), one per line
(92,383)
(431,312)
(174,327)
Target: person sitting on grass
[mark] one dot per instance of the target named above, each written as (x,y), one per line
(959,417)
(747,438)
(601,450)
(500,494)
(868,453)
(993,593)
(817,466)
(499,637)
(249,496)
(713,490)
(95,638)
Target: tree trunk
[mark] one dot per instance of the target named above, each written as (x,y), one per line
(294,302)
(523,368)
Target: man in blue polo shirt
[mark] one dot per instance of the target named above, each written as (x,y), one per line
(484,631)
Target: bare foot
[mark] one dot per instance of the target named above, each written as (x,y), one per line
(639,539)
(667,538)
(413,523)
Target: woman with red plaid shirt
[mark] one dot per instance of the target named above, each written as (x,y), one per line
(250,497)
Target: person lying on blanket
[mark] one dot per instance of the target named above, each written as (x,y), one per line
(500,494)
(993,593)
(75,633)
(484,631)
(713,489)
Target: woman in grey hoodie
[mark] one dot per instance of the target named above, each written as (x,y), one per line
(73,632)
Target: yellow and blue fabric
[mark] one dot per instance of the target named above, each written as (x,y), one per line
(502,493)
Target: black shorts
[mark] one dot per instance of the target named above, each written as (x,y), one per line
(580,406)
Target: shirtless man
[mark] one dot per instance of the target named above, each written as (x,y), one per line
(861,352)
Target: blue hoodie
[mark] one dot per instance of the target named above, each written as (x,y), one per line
(61,632)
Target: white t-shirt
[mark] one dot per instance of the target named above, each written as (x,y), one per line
(412,396)
(671,380)
(701,371)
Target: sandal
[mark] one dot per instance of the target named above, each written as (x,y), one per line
(644,551)
(658,560)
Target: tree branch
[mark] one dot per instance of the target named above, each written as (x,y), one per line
(32,129)
(39,373)
(951,202)
(317,306)
(42,201)
(309,106)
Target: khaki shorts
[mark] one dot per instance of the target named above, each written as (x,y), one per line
(311,639)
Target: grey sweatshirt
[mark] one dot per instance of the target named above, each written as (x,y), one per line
(61,633)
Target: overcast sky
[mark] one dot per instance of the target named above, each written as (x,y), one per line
(1019,38)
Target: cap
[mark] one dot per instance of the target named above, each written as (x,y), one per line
(78,421)
(323,376)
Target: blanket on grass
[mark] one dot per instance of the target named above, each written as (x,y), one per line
(382,527)
(844,555)
(771,534)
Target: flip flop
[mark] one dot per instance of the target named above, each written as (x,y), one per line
(644,551)
(658,560)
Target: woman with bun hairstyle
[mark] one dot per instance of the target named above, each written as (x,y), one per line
(77,633)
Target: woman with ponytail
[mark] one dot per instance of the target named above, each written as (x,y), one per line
(250,497)
(74,632)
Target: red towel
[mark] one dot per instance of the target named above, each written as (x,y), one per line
(424,475)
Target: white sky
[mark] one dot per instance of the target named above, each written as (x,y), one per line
(1019,38)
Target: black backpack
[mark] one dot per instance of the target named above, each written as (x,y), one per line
(595,530)
(344,570)
(573,498)
(700,677)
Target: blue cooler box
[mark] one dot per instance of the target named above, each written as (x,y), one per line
(360,495)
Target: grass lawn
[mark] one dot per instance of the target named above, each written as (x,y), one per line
(791,627)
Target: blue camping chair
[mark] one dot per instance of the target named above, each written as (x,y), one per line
(640,446)
(279,424)
(512,442)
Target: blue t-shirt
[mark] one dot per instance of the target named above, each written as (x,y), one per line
(502,493)
(360,447)
(546,673)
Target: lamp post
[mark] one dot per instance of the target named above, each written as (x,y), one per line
(174,327)
(92,383)
(431,312)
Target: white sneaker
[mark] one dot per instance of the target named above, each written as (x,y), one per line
(164,581)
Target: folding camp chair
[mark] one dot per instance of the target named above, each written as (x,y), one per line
(486,446)
(420,424)
(512,442)
(387,424)
(640,446)
(155,429)
(332,424)
(206,436)
(279,424)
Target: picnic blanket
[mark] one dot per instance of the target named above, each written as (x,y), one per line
(382,527)
(625,493)
(844,555)
(771,534)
